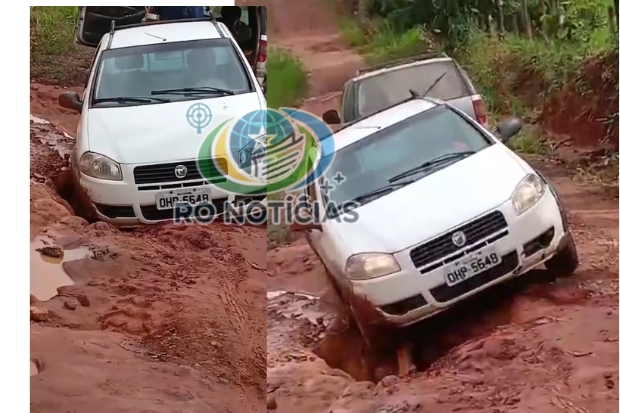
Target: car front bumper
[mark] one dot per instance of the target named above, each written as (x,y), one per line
(409,296)
(123,203)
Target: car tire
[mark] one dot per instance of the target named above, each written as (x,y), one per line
(565,262)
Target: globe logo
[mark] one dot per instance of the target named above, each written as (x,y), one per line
(266,151)
(199,116)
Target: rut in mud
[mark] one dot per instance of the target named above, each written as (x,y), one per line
(535,344)
(159,319)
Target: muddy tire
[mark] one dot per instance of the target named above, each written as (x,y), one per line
(566,261)
(377,334)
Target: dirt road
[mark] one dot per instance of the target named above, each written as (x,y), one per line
(532,345)
(160,319)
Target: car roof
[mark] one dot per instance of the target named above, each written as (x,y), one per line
(172,32)
(399,67)
(367,126)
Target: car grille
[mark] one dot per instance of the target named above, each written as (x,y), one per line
(445,293)
(443,246)
(152,174)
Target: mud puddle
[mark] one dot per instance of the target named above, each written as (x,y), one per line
(46,267)
(300,306)
(59,141)
(342,346)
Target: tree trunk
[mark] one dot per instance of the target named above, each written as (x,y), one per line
(514,24)
(527,24)
(362,11)
(500,16)
(612,19)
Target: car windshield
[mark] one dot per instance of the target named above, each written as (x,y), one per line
(137,72)
(373,162)
(378,92)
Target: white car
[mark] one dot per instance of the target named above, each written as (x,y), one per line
(136,151)
(444,210)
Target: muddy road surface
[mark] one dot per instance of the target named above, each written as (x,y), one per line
(159,319)
(532,345)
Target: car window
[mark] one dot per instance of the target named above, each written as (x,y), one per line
(369,163)
(216,11)
(140,70)
(381,91)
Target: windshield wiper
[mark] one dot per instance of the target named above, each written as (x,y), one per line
(194,90)
(382,190)
(129,99)
(416,95)
(433,162)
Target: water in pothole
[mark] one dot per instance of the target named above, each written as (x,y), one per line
(60,141)
(47,272)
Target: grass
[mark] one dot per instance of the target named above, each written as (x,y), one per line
(503,68)
(287,87)
(288,79)
(51,29)
(381,42)
(54,58)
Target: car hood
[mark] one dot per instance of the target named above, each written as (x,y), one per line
(159,132)
(435,203)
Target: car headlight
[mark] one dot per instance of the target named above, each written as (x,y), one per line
(100,167)
(372,265)
(528,193)
(253,150)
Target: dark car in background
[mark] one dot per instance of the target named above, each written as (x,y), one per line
(433,75)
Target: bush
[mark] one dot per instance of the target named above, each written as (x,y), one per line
(51,29)
(515,73)
(382,42)
(288,79)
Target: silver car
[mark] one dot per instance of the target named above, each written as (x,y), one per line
(433,75)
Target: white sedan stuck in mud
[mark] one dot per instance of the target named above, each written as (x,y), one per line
(138,138)
(445,210)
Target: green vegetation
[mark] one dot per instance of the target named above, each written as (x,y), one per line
(54,58)
(518,53)
(536,64)
(288,83)
(381,42)
(51,29)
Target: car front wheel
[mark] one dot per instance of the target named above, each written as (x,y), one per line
(566,260)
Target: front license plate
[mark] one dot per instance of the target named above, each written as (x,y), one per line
(168,199)
(471,265)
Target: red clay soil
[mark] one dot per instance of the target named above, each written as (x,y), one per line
(160,319)
(586,109)
(536,345)
(44,103)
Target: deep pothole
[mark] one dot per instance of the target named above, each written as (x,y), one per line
(427,342)
(47,271)
(69,189)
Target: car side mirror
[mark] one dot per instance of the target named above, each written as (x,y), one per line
(70,100)
(509,128)
(331,117)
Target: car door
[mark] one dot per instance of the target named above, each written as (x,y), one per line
(253,17)
(94,21)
